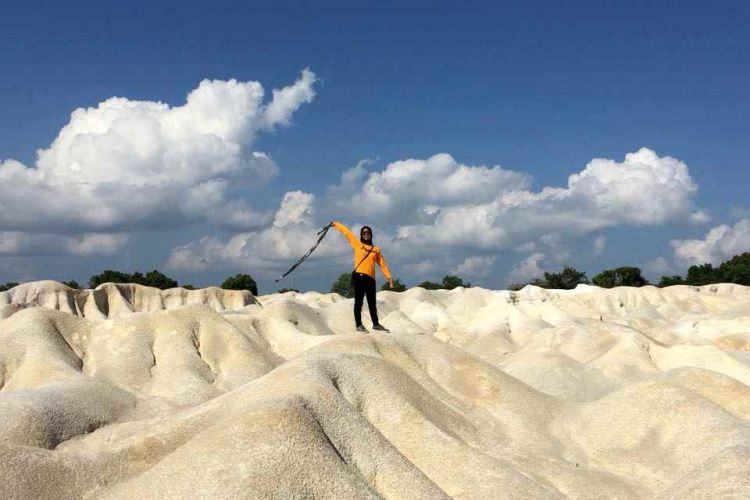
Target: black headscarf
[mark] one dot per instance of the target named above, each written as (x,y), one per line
(366,242)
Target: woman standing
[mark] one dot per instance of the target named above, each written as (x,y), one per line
(366,255)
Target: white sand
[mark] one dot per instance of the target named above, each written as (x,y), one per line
(131,392)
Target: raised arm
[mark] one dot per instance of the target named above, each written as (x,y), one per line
(353,241)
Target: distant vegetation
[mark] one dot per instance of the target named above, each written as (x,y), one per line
(735,270)
(397,286)
(8,286)
(343,285)
(622,276)
(567,279)
(72,284)
(241,282)
(449,283)
(152,278)
(284,290)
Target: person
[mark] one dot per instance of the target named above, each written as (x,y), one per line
(366,255)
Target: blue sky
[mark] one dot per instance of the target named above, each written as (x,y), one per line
(539,88)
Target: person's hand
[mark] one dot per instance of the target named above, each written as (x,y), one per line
(390,282)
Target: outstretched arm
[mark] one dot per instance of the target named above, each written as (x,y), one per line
(347,233)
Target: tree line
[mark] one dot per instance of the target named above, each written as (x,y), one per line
(154,279)
(735,270)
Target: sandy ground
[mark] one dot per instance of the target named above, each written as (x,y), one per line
(132,392)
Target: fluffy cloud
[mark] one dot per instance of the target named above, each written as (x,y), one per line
(26,244)
(436,215)
(528,269)
(291,233)
(474,267)
(420,187)
(127,165)
(440,203)
(720,243)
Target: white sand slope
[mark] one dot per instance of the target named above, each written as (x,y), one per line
(132,392)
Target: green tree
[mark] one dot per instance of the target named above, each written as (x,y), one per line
(108,276)
(621,276)
(284,290)
(343,285)
(397,286)
(152,278)
(188,287)
(567,279)
(450,282)
(514,287)
(158,280)
(430,285)
(705,274)
(72,284)
(736,269)
(671,280)
(241,282)
(8,286)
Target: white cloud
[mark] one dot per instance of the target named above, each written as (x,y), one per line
(474,267)
(29,244)
(421,187)
(438,202)
(699,217)
(658,267)
(720,243)
(600,243)
(528,269)
(268,250)
(127,165)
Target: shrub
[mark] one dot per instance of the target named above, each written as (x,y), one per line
(284,290)
(567,279)
(8,286)
(430,285)
(241,282)
(621,276)
(450,282)
(152,278)
(705,274)
(736,269)
(343,285)
(671,280)
(397,286)
(72,284)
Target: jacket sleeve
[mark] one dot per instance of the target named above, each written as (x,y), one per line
(383,266)
(354,242)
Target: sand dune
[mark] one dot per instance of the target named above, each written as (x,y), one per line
(127,391)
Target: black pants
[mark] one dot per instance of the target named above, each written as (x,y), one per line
(364,285)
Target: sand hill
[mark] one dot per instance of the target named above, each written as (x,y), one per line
(132,392)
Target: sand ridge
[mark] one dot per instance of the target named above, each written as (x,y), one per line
(130,391)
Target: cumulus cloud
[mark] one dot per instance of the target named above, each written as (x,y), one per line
(474,267)
(439,202)
(126,165)
(658,267)
(33,244)
(291,233)
(720,243)
(528,269)
(421,187)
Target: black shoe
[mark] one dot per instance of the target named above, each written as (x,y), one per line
(380,328)
(362,329)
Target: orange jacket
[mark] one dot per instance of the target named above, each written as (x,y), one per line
(360,250)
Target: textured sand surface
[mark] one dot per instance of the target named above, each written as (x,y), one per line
(131,392)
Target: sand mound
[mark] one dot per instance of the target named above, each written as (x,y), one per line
(132,392)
